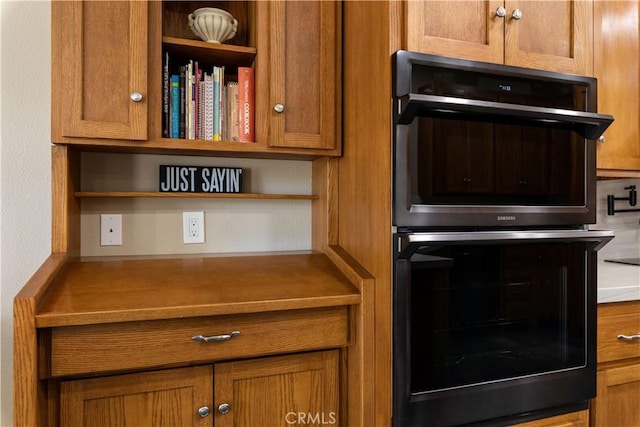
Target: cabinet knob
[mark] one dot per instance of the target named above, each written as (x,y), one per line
(501,12)
(203,412)
(517,14)
(136,96)
(278,108)
(224,408)
(602,139)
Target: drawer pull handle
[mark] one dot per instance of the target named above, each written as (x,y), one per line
(629,337)
(216,338)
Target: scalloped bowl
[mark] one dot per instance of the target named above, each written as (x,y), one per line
(213,25)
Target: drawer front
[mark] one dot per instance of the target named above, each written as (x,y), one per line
(88,349)
(611,325)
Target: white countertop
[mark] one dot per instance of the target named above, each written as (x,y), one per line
(618,282)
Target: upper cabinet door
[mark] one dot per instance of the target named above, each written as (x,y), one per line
(554,36)
(99,64)
(463,29)
(617,68)
(298,98)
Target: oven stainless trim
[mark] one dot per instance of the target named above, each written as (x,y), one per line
(409,240)
(586,124)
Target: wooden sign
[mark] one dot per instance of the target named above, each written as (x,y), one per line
(200,179)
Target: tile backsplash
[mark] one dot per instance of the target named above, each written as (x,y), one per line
(626,225)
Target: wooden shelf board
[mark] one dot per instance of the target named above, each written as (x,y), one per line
(220,54)
(131,194)
(129,289)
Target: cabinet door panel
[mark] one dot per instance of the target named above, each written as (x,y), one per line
(617,67)
(463,29)
(160,398)
(279,391)
(94,90)
(617,401)
(554,36)
(304,56)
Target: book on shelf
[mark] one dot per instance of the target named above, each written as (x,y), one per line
(199,103)
(166,93)
(182,75)
(246,105)
(174,124)
(232,111)
(216,103)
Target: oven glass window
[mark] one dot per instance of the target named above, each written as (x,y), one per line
(464,162)
(482,313)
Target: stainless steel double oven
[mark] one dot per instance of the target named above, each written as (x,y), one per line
(495,265)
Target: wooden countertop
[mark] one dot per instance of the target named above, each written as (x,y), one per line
(115,290)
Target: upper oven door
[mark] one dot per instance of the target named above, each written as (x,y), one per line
(482,145)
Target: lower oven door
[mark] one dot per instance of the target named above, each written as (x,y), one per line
(492,325)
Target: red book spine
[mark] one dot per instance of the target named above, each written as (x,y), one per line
(246,105)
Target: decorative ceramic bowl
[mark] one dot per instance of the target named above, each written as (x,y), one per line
(212,25)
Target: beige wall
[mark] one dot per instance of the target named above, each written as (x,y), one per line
(25,220)
(154,226)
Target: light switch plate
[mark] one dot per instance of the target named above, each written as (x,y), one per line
(110,230)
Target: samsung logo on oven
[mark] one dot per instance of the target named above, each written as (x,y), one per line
(506,217)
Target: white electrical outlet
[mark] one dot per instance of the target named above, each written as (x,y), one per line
(193,227)
(110,230)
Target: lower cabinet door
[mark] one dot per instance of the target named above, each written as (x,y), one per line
(173,397)
(616,404)
(280,391)
(573,419)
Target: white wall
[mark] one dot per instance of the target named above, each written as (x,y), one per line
(25,163)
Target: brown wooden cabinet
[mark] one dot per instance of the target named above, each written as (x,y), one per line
(120,341)
(272,391)
(158,398)
(617,67)
(574,419)
(553,36)
(301,389)
(107,74)
(99,63)
(298,82)
(616,403)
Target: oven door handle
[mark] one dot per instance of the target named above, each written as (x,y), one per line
(587,124)
(410,242)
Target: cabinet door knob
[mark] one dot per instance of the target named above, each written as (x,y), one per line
(501,12)
(278,108)
(602,139)
(224,408)
(203,412)
(136,96)
(517,14)
(635,337)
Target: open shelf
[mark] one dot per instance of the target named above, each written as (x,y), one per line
(220,53)
(155,194)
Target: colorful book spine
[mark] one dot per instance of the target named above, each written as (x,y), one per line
(232,111)
(208,105)
(183,110)
(166,94)
(175,106)
(246,111)
(216,103)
